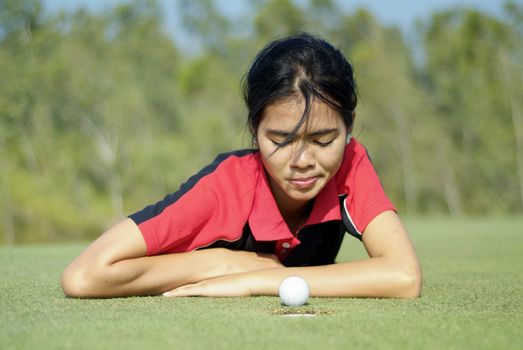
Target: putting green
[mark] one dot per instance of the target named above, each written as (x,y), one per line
(473,283)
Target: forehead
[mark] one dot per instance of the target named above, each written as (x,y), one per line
(285,114)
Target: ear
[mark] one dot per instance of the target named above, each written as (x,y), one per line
(349,130)
(353,117)
(254,136)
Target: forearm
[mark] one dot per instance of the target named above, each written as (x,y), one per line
(137,276)
(152,275)
(374,277)
(157,274)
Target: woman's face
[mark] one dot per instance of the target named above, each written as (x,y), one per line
(299,170)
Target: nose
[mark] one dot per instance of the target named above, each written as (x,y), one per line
(302,158)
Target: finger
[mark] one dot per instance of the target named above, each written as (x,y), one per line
(183,291)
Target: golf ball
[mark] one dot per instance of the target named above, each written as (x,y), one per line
(294,291)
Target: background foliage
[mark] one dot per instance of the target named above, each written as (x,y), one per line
(101,114)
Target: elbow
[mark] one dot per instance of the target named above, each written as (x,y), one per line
(79,282)
(411,283)
(74,283)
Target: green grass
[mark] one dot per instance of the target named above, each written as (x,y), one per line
(473,286)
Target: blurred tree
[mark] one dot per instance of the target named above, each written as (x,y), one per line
(19,16)
(18,22)
(463,50)
(275,18)
(103,113)
(512,81)
(390,102)
(202,20)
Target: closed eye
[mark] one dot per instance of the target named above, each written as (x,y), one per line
(280,144)
(323,144)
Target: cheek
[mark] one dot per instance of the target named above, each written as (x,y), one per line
(274,163)
(332,160)
(269,159)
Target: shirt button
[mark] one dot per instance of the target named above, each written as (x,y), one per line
(286,245)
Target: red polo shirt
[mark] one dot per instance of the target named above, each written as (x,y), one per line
(231,199)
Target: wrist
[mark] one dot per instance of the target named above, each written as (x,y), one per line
(263,282)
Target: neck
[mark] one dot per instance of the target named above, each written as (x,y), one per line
(295,214)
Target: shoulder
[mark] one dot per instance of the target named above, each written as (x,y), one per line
(235,163)
(231,172)
(354,151)
(358,182)
(215,201)
(242,155)
(229,176)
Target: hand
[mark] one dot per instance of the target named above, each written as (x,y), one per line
(224,286)
(239,276)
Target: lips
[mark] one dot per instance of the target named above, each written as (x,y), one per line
(304,182)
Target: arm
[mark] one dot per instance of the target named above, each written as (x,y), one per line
(392,270)
(115,265)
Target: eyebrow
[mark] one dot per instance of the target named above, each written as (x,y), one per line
(316,133)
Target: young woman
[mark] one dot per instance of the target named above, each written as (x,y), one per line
(253,217)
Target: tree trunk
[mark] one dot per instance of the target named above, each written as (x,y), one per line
(8,218)
(107,149)
(8,222)
(452,193)
(407,162)
(517,120)
(116,194)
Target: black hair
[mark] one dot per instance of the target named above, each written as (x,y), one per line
(299,65)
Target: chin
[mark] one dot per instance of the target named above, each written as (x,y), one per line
(303,196)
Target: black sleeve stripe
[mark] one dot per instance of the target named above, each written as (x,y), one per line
(368,155)
(347,220)
(156,209)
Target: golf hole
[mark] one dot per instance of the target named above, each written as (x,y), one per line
(299,315)
(292,312)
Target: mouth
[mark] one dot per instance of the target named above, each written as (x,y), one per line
(306,182)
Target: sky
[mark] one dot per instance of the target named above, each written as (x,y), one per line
(402,13)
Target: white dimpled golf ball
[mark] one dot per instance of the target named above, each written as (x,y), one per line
(294,291)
